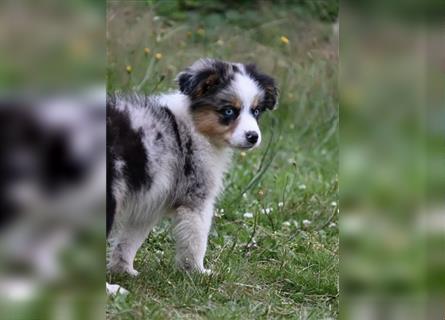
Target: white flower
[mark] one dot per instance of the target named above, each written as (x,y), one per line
(219,213)
(302,186)
(244,195)
(248,215)
(306,223)
(286,224)
(334,203)
(332,225)
(280,204)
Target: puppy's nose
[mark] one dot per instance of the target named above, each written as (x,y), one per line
(251,137)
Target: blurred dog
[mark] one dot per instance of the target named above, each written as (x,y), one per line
(167,154)
(52,186)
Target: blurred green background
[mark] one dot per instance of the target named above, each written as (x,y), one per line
(274,245)
(392,168)
(51,46)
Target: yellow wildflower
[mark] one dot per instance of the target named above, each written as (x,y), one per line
(201,32)
(158,56)
(129,69)
(284,40)
(146,51)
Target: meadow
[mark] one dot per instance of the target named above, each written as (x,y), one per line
(274,244)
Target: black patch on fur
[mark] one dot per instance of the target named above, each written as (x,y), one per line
(185,83)
(235,68)
(60,167)
(159,139)
(267,83)
(14,121)
(111,201)
(126,144)
(174,125)
(206,81)
(197,186)
(188,167)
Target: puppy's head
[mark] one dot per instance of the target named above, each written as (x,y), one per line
(227,100)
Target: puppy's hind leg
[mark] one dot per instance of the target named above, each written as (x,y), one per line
(191,230)
(124,246)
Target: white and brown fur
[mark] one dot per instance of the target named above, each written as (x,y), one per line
(167,154)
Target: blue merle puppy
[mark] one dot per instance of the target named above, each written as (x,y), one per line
(167,154)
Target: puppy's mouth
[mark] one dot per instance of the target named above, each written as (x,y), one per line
(244,147)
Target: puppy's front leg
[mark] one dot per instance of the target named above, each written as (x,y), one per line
(191,230)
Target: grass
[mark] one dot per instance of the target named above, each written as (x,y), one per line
(273,248)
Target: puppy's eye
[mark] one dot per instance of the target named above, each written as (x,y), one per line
(256,112)
(229,112)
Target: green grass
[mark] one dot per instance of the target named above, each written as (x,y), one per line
(274,264)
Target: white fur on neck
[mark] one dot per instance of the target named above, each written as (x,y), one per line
(178,103)
(220,160)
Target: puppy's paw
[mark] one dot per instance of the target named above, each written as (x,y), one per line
(115,289)
(132,272)
(207,272)
(190,265)
(123,268)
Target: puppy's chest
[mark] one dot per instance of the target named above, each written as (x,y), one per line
(201,176)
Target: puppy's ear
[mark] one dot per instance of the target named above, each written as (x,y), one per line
(184,80)
(204,77)
(267,83)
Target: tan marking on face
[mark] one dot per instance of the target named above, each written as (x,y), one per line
(236,103)
(255,101)
(207,123)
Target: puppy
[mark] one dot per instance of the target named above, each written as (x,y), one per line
(167,154)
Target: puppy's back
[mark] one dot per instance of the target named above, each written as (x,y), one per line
(143,147)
